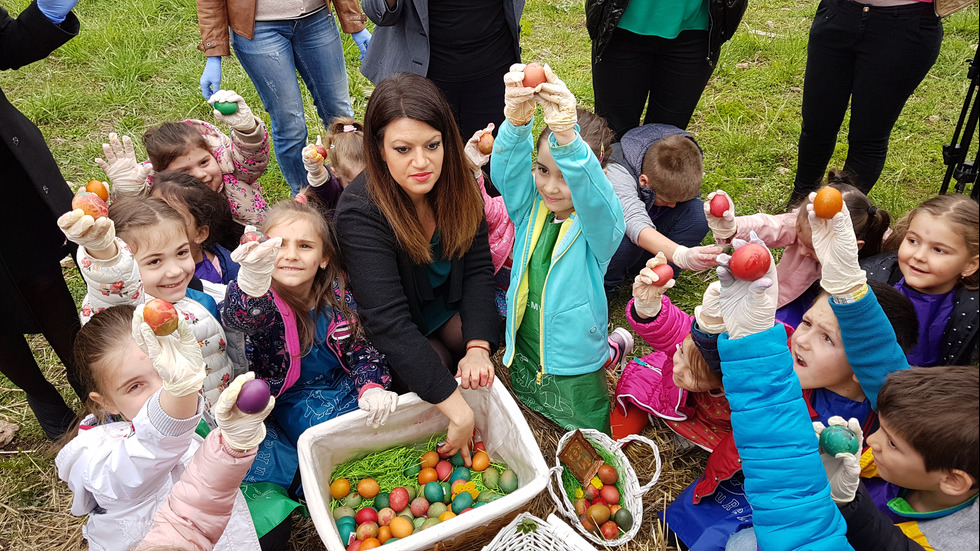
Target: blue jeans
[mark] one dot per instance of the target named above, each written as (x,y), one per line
(743,540)
(278,50)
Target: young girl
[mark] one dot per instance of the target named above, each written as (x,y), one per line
(228,165)
(500,227)
(292,301)
(798,268)
(150,258)
(344,161)
(568,225)
(121,472)
(211,231)
(932,259)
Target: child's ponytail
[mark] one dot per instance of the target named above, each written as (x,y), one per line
(870,223)
(345,144)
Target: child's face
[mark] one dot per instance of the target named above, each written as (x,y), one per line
(299,258)
(818,354)
(933,257)
(165,262)
(129,382)
(199,163)
(898,462)
(685,377)
(551,184)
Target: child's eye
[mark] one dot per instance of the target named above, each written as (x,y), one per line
(805,323)
(828,340)
(542,169)
(134,387)
(939,250)
(911,240)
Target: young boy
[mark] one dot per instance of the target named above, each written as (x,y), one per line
(925,452)
(656,173)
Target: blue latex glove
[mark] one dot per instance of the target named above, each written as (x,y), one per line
(56,10)
(211,77)
(362,39)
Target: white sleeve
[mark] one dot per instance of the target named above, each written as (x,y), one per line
(110,282)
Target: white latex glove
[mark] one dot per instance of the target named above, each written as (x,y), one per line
(844,469)
(128,177)
(379,403)
(316,173)
(647,288)
(747,307)
(176,357)
(696,258)
(723,229)
(472,149)
(257,261)
(708,313)
(83,230)
(241,431)
(837,250)
(242,120)
(518,99)
(557,102)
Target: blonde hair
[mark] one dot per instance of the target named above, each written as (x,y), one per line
(959,212)
(674,166)
(345,145)
(135,219)
(322,294)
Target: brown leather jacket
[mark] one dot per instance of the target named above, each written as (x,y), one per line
(215,16)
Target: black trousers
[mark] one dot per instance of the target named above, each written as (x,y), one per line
(874,58)
(667,76)
(476,102)
(55,312)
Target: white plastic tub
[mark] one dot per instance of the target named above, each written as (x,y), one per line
(499,422)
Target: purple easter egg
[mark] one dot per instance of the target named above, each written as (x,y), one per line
(254,396)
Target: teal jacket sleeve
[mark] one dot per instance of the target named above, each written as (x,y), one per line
(510,169)
(785,481)
(598,209)
(869,342)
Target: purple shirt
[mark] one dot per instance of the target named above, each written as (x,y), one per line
(933,312)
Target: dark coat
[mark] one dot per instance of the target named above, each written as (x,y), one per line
(390,290)
(28,172)
(870,529)
(959,346)
(602,17)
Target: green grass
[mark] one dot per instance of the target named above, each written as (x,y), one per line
(135,65)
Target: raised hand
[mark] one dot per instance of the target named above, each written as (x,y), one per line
(836,248)
(127,176)
(518,99)
(241,431)
(648,287)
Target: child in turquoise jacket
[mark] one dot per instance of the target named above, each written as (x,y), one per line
(568,225)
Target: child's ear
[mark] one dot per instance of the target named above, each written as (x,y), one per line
(203,232)
(956,483)
(103,402)
(644,181)
(971,266)
(860,243)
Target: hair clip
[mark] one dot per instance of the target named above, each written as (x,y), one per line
(602,151)
(349,128)
(301,198)
(872,210)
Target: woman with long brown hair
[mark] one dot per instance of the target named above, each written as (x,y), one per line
(415,242)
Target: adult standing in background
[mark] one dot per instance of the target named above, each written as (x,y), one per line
(33,292)
(872,55)
(656,54)
(273,39)
(464,46)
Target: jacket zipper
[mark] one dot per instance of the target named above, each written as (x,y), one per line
(541,313)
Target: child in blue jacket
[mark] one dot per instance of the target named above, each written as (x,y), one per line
(568,226)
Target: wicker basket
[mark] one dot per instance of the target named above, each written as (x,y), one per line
(529,533)
(632,493)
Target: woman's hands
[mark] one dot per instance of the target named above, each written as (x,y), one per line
(460,426)
(518,99)
(316,172)
(241,431)
(127,176)
(258,261)
(241,120)
(837,250)
(97,236)
(648,288)
(476,367)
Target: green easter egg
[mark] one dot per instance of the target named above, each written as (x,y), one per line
(341,512)
(462,501)
(491,477)
(390,540)
(429,523)
(353,500)
(226,107)
(437,509)
(508,481)
(381,501)
(413,492)
(486,496)
(417,523)
(460,473)
(457,460)
(433,492)
(346,521)
(624,519)
(836,439)
(412,469)
(447,493)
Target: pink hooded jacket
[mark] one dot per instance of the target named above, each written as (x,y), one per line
(200,503)
(798,268)
(501,229)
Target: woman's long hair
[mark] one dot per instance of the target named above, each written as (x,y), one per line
(455,201)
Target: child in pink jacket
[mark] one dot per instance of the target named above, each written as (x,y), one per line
(798,268)
(197,511)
